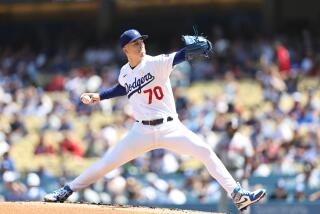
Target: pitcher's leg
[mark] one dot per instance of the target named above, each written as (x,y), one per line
(191,144)
(133,145)
(184,141)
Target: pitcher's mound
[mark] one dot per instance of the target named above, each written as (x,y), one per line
(73,208)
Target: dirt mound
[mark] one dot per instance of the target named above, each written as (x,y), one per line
(74,208)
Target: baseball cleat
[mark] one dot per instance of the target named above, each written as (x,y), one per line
(59,195)
(243,198)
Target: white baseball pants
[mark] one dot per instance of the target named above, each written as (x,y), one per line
(172,135)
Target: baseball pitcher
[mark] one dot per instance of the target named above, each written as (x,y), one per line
(145,81)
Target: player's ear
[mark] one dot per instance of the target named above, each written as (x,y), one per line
(124,49)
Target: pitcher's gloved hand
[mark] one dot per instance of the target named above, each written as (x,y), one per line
(197,47)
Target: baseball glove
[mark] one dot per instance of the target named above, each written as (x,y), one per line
(197,47)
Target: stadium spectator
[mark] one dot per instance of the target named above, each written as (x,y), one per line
(7,163)
(283,59)
(35,192)
(236,152)
(14,189)
(17,128)
(280,192)
(43,147)
(299,194)
(71,145)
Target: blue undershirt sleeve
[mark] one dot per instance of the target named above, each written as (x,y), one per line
(115,91)
(179,57)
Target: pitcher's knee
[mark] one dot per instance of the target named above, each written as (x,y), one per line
(205,153)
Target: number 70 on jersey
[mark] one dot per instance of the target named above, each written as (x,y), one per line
(156,91)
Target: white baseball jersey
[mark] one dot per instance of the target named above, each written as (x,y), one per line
(148,87)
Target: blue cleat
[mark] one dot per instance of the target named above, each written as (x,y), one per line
(59,195)
(243,198)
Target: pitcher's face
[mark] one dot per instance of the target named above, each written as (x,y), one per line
(135,48)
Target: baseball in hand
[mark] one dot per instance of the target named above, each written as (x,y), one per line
(86,99)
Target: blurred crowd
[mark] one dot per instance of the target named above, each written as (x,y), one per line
(278,137)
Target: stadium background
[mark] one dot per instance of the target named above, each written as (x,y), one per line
(264,73)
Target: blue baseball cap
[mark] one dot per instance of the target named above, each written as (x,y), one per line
(130,36)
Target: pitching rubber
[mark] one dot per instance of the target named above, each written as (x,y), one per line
(73,208)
